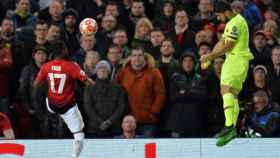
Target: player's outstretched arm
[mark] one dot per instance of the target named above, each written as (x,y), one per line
(220,49)
(89,82)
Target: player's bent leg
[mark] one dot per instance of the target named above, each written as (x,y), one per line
(73,119)
(228,104)
(229,132)
(75,123)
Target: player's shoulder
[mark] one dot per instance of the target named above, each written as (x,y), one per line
(71,65)
(237,20)
(49,63)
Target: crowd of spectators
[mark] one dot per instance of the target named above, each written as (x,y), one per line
(144,61)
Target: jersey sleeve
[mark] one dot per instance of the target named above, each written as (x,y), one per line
(78,73)
(5,123)
(41,77)
(232,31)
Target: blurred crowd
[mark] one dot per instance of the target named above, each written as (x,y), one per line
(144,61)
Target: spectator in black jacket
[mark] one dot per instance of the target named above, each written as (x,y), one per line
(8,37)
(40,32)
(114,56)
(204,15)
(70,31)
(165,19)
(167,65)
(215,111)
(157,37)
(137,11)
(104,104)
(187,95)
(22,16)
(120,38)
(34,106)
(182,33)
(274,74)
(87,43)
(105,34)
(260,50)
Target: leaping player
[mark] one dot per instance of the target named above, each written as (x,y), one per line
(235,45)
(61,75)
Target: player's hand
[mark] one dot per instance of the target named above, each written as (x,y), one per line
(204,58)
(205,61)
(105,125)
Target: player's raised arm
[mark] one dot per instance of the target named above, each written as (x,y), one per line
(89,82)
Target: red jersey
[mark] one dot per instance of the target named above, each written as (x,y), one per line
(61,76)
(4,122)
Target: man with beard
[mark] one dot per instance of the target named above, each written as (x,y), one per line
(70,32)
(167,65)
(120,38)
(137,11)
(8,38)
(105,34)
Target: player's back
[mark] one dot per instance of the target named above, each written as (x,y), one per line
(61,77)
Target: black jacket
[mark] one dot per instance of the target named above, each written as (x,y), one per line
(187,95)
(104,101)
(27,78)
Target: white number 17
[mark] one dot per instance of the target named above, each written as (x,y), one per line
(62,79)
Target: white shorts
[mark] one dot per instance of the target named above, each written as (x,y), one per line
(72,118)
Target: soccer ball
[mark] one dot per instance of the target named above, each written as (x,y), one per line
(88,26)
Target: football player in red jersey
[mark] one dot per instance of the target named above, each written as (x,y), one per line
(5,127)
(61,75)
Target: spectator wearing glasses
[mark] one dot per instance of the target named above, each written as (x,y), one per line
(265,118)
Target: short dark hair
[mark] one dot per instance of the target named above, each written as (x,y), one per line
(222,6)
(277,47)
(137,1)
(114,46)
(157,29)
(55,24)
(41,22)
(136,48)
(59,50)
(7,18)
(181,9)
(262,94)
(168,40)
(17,1)
(120,30)
(112,3)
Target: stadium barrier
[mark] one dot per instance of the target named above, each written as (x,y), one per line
(143,148)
